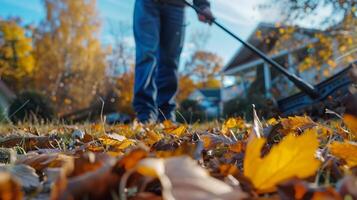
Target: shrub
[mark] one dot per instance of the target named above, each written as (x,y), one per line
(191,111)
(31,105)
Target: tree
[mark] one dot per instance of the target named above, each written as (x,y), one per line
(186,87)
(123,89)
(121,67)
(204,67)
(337,38)
(299,10)
(70,60)
(16,60)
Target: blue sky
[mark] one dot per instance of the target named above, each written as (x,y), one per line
(241,16)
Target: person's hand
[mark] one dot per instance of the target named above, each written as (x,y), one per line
(206,16)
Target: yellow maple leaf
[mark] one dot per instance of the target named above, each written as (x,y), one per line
(351,122)
(118,142)
(168,124)
(232,123)
(179,131)
(98,128)
(152,137)
(272,122)
(346,151)
(292,157)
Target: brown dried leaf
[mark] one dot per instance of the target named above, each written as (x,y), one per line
(51,160)
(10,189)
(300,190)
(182,178)
(97,184)
(29,143)
(297,123)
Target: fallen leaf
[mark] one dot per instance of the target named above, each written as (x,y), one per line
(29,143)
(27,176)
(88,162)
(232,123)
(351,122)
(152,137)
(228,169)
(96,184)
(237,147)
(292,157)
(116,141)
(347,186)
(168,124)
(51,160)
(298,189)
(186,148)
(98,128)
(182,178)
(132,158)
(210,140)
(10,189)
(177,131)
(293,124)
(99,183)
(346,151)
(272,122)
(146,196)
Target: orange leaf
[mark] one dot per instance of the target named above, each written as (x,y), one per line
(9,188)
(346,151)
(232,123)
(292,124)
(237,147)
(179,131)
(228,169)
(351,122)
(152,137)
(52,160)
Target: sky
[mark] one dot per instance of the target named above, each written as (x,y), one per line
(241,16)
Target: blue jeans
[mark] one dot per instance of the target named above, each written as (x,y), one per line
(159,31)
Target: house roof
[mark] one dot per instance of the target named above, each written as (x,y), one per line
(244,55)
(211,93)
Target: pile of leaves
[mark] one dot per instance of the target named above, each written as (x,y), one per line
(286,158)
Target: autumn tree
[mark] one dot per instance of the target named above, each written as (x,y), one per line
(121,66)
(16,60)
(70,60)
(204,67)
(186,87)
(337,38)
(201,70)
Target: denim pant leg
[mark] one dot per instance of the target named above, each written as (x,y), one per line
(147,40)
(171,44)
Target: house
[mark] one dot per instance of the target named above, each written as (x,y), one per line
(209,100)
(6,97)
(253,75)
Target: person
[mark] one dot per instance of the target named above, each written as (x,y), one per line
(159,32)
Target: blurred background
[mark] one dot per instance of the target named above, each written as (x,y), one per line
(74,60)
